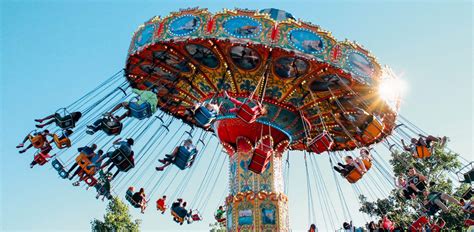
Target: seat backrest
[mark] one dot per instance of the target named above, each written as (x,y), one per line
(140,111)
(246,113)
(354,176)
(37,140)
(423,152)
(183,157)
(122,159)
(203,116)
(65,121)
(321,143)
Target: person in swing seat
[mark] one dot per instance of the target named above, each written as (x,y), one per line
(169,158)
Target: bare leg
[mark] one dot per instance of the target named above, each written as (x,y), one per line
(46,123)
(236,102)
(119,119)
(441,205)
(163,167)
(45,118)
(449,198)
(28,147)
(117,107)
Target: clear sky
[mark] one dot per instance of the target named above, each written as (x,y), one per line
(52,52)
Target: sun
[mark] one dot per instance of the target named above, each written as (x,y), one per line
(391,88)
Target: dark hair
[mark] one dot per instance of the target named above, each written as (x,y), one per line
(93,146)
(313,226)
(100,151)
(130,141)
(164,196)
(349,157)
(68,132)
(346,225)
(142,190)
(184,204)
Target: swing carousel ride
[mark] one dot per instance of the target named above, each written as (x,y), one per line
(262,82)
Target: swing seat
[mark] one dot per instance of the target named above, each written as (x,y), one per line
(432,208)
(84,163)
(437,227)
(196,217)
(120,157)
(61,143)
(373,130)
(468,222)
(419,224)
(41,158)
(59,167)
(468,176)
(140,111)
(184,158)
(422,152)
(220,220)
(64,122)
(246,113)
(353,176)
(111,127)
(37,140)
(128,197)
(321,143)
(260,160)
(203,116)
(90,180)
(179,213)
(466,173)
(367,164)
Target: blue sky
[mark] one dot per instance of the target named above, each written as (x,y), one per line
(52,52)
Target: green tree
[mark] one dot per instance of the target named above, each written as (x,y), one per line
(116,219)
(436,168)
(217,227)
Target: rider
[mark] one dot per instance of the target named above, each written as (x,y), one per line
(57,118)
(425,141)
(160,204)
(437,198)
(258,110)
(169,158)
(345,169)
(415,184)
(43,134)
(89,152)
(126,147)
(144,96)
(140,198)
(220,212)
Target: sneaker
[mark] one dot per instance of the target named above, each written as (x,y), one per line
(22,151)
(39,126)
(20,145)
(91,127)
(162,161)
(75,183)
(38,120)
(160,168)
(89,132)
